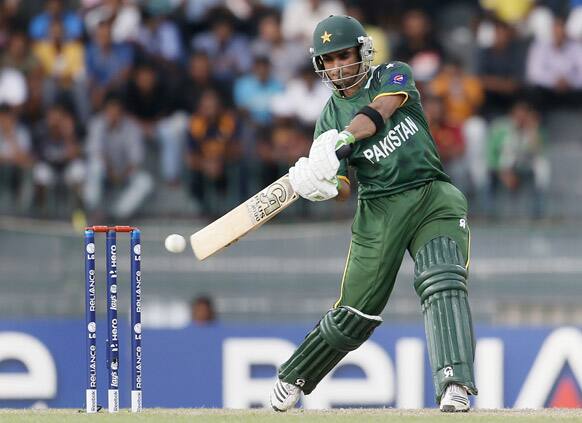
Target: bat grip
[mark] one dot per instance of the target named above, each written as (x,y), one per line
(344,151)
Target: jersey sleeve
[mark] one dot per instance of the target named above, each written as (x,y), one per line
(324,124)
(394,78)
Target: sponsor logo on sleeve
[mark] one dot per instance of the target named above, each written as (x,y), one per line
(398,79)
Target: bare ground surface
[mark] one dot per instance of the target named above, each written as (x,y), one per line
(260,416)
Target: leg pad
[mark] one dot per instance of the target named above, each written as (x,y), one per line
(340,331)
(440,282)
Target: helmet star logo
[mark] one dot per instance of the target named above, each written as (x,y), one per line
(326,37)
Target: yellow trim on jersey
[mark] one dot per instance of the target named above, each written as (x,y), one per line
(396,93)
(344,178)
(343,278)
(468,250)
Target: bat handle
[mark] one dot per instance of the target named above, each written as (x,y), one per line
(344,151)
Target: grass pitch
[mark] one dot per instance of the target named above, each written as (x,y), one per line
(267,416)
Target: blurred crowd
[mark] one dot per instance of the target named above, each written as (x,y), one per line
(103,103)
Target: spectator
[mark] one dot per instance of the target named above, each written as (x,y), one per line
(54,11)
(146,98)
(58,154)
(378,34)
(160,37)
(116,153)
(419,46)
(271,105)
(108,63)
(275,4)
(554,69)
(214,151)
(449,139)
(515,155)
(303,98)
(462,93)
(254,92)
(124,17)
(286,56)
(462,96)
(60,59)
(63,64)
(539,22)
(511,12)
(229,52)
(574,21)
(19,56)
(301,16)
(197,11)
(9,21)
(199,77)
(149,103)
(13,89)
(203,312)
(281,149)
(500,68)
(15,152)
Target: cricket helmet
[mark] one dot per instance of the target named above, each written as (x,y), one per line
(336,33)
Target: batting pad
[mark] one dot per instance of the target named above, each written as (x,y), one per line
(340,331)
(441,283)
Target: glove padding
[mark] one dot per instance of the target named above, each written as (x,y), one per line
(322,156)
(305,182)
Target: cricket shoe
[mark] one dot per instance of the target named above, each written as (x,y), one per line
(284,396)
(454,399)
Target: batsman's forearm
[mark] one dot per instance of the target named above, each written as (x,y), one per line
(361,127)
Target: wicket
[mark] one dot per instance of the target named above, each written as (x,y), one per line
(112,359)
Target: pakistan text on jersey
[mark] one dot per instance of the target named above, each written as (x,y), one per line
(395,138)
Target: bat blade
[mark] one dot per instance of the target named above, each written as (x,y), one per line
(246,217)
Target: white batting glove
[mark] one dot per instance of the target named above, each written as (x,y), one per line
(322,156)
(305,183)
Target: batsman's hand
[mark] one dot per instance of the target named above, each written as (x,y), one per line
(322,157)
(305,182)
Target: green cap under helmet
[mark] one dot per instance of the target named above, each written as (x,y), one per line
(336,33)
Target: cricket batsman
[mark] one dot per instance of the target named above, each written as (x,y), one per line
(406,202)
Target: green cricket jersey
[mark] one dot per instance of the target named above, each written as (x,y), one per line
(401,156)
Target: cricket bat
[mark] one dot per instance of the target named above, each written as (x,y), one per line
(248,216)
(244,218)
